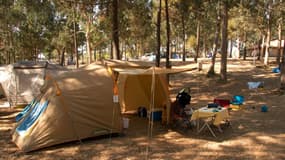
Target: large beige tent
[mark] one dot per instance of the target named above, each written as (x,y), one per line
(73,106)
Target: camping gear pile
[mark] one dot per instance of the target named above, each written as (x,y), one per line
(234,104)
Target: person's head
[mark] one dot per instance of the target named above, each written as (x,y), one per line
(186,90)
(184,97)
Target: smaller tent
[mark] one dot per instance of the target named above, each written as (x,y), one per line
(73,106)
(2,93)
(21,81)
(135,89)
(141,85)
(4,78)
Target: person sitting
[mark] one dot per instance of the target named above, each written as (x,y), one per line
(179,117)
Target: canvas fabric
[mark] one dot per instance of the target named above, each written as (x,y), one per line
(134,84)
(80,105)
(21,82)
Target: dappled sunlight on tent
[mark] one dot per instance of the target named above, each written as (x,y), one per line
(83,109)
(71,82)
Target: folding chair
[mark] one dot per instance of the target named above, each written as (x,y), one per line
(207,122)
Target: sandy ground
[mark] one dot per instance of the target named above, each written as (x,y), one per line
(252,134)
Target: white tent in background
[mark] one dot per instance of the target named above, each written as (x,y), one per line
(41,56)
(21,82)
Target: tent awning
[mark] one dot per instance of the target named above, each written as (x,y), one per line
(136,71)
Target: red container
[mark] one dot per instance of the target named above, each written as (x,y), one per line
(222,102)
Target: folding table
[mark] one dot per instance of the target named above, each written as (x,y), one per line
(216,116)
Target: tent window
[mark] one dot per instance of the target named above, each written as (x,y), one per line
(31,118)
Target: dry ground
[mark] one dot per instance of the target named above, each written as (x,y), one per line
(252,135)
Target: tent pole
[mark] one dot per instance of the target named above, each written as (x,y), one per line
(150,124)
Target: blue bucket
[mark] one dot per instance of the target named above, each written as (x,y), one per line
(264,108)
(276,70)
(238,100)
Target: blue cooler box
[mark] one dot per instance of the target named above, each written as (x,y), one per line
(156,114)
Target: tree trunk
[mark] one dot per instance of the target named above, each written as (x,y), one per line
(141,48)
(111,50)
(82,57)
(62,57)
(259,49)
(279,43)
(266,56)
(262,48)
(58,55)
(157,61)
(244,52)
(231,49)
(224,48)
(184,40)
(176,46)
(197,41)
(100,54)
(204,46)
(75,38)
(49,55)
(282,76)
(116,44)
(8,57)
(95,57)
(87,36)
(11,47)
(35,54)
(124,50)
(215,46)
(238,49)
(167,35)
(268,36)
(244,48)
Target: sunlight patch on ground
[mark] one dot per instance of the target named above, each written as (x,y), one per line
(5,128)
(170,135)
(269,139)
(63,151)
(212,146)
(248,146)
